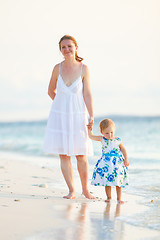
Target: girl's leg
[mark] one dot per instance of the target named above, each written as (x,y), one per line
(119,194)
(108,193)
(82,165)
(67,172)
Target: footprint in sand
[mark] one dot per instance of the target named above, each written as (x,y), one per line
(43,185)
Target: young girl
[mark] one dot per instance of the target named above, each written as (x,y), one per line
(111,168)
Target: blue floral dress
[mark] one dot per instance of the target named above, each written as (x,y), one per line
(110,169)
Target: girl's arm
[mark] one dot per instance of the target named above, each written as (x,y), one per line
(53,82)
(87,94)
(123,150)
(93,137)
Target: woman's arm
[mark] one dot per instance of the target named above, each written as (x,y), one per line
(87,94)
(123,150)
(93,137)
(53,82)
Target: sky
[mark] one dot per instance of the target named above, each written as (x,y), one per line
(119,41)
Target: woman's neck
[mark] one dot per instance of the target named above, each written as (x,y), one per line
(70,61)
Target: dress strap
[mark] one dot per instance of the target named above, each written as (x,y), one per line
(81,68)
(59,68)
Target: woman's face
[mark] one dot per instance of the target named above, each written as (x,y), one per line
(68,48)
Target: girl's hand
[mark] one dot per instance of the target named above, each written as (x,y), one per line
(90,123)
(126,162)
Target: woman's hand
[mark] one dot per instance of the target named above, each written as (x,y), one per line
(90,123)
(53,82)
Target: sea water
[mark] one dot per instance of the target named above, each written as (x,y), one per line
(140,136)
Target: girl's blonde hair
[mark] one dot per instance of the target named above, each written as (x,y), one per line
(68,37)
(106,123)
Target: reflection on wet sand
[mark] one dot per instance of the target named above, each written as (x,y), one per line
(77,217)
(114,228)
(108,208)
(87,221)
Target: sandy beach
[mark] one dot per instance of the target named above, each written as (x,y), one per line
(32,210)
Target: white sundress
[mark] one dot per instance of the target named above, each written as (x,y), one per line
(66,131)
(110,169)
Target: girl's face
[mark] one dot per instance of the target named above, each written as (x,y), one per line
(68,48)
(109,132)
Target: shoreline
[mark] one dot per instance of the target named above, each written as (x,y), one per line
(32,207)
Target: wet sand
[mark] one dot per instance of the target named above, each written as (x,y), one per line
(32,209)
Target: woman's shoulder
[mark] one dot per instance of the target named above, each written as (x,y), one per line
(85,67)
(85,71)
(56,68)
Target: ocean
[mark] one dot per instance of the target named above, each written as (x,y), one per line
(141,137)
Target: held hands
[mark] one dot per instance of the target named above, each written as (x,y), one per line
(90,126)
(90,123)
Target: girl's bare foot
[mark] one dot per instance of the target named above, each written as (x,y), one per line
(71,195)
(88,195)
(120,202)
(108,200)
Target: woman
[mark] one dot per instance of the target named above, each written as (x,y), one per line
(66,133)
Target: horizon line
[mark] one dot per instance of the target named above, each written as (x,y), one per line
(96,117)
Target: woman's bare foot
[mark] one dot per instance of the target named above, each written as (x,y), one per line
(71,195)
(108,200)
(88,195)
(120,202)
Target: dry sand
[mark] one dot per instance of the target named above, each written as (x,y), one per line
(30,209)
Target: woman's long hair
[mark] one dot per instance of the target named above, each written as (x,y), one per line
(68,37)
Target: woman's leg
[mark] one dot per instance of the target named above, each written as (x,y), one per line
(82,165)
(67,171)
(108,193)
(119,194)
